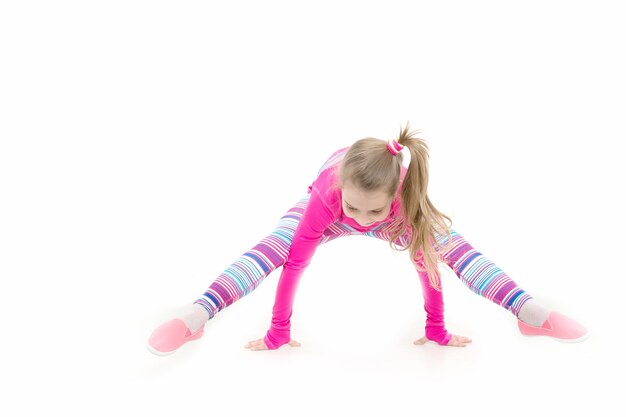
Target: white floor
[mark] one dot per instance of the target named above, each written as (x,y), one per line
(78,342)
(357,354)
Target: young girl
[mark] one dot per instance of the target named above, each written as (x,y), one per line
(365,190)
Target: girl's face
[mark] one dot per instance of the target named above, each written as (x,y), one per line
(365,207)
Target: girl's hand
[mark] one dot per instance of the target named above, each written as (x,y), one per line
(259,344)
(459,341)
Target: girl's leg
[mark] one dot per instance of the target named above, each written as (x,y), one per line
(251,268)
(247,272)
(238,280)
(483,277)
(478,273)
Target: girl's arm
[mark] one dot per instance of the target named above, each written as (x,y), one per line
(315,220)
(433,305)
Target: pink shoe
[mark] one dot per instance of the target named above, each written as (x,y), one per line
(168,337)
(558,326)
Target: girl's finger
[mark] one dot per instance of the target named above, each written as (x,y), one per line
(420,341)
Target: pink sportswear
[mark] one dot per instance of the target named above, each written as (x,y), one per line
(323,209)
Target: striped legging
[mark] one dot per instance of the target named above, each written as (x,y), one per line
(246,273)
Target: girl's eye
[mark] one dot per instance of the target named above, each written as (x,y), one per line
(375,212)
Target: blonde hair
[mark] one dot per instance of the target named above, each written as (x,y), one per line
(370,167)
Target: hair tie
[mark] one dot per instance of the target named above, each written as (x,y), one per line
(394,147)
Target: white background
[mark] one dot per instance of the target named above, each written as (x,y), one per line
(146,145)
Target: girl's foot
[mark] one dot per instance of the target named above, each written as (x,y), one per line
(168,337)
(557,326)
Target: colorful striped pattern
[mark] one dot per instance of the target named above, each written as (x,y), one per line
(247,272)
(478,273)
(481,275)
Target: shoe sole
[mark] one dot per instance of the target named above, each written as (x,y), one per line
(160,353)
(578,340)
